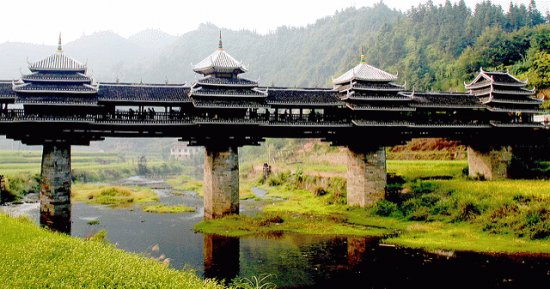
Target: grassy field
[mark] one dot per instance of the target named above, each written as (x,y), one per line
(430,205)
(167,209)
(32,257)
(113,196)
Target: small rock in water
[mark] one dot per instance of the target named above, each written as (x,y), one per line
(155,248)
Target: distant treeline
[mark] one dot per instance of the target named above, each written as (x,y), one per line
(440,46)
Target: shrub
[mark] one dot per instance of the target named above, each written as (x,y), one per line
(468,210)
(319,191)
(420,214)
(385,208)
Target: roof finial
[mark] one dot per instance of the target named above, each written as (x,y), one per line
(220,44)
(59,45)
(363,60)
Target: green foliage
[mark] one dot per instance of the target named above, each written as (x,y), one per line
(112,195)
(19,185)
(385,208)
(439,47)
(36,258)
(167,209)
(254,282)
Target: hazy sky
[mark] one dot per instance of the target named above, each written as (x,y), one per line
(40,21)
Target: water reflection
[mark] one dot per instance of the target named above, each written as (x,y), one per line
(221,257)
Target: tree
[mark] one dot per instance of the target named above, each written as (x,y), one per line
(534,17)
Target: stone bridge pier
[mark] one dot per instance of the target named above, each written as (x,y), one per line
(490,162)
(366,178)
(55,187)
(221,181)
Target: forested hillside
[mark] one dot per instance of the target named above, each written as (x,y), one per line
(438,47)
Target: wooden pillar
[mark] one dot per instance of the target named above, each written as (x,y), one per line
(55,187)
(366,180)
(221,181)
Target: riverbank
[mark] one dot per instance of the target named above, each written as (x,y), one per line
(429,206)
(37,258)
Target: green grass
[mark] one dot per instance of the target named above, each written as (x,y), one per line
(35,258)
(457,214)
(167,209)
(113,196)
(185,183)
(426,168)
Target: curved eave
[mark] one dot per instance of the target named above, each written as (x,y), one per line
(225,84)
(52,103)
(57,91)
(308,124)
(511,101)
(447,126)
(506,110)
(375,89)
(517,125)
(367,98)
(379,108)
(139,101)
(218,69)
(379,124)
(42,69)
(304,104)
(227,95)
(451,106)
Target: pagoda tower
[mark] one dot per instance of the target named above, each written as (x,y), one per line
(506,96)
(372,96)
(54,83)
(221,95)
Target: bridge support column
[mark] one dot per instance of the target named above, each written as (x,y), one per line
(489,162)
(366,180)
(221,181)
(55,187)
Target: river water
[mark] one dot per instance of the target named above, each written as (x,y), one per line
(294,260)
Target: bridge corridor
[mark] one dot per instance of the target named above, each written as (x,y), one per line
(59,105)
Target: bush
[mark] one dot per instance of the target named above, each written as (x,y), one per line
(420,214)
(468,210)
(319,191)
(386,208)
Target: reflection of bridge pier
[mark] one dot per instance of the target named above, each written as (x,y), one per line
(221,257)
(55,187)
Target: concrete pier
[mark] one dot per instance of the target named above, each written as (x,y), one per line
(366,179)
(221,181)
(489,162)
(55,187)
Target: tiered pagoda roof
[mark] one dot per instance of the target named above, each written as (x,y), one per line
(502,92)
(366,90)
(56,79)
(6,91)
(219,62)
(221,87)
